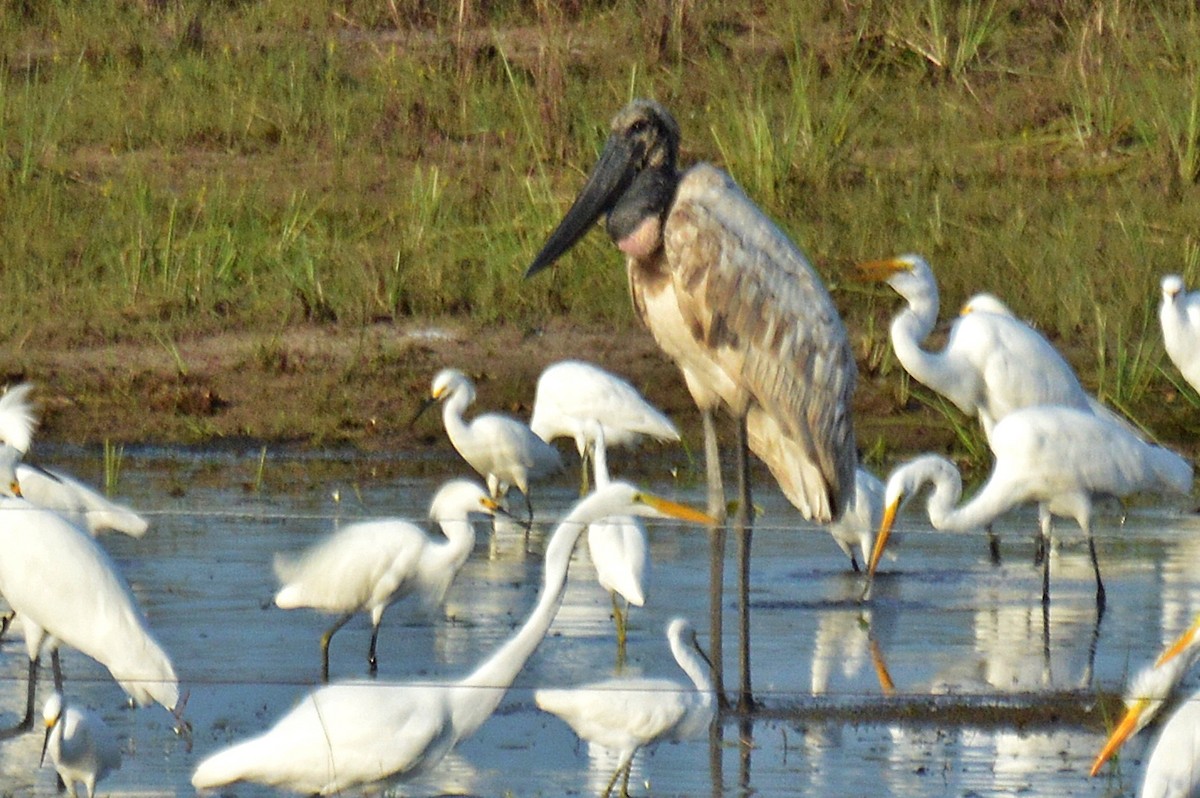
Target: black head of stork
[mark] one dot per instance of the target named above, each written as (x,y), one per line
(634,181)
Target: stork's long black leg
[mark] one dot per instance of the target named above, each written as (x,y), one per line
(744,529)
(716,559)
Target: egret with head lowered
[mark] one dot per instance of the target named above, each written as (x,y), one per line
(728,296)
(351,733)
(571,394)
(1061,458)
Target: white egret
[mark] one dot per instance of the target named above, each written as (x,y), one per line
(1179,316)
(856,528)
(1173,769)
(82,747)
(625,715)
(618,547)
(65,588)
(572,393)
(54,490)
(84,507)
(365,566)
(501,448)
(349,733)
(739,309)
(993,363)
(1060,457)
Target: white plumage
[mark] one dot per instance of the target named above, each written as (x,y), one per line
(63,586)
(1060,457)
(625,715)
(1179,316)
(365,566)
(856,528)
(993,363)
(82,506)
(501,448)
(572,393)
(350,733)
(1173,768)
(82,747)
(618,546)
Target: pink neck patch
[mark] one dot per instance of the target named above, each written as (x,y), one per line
(643,241)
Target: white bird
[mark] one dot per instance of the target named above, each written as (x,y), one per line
(54,490)
(739,309)
(65,588)
(352,733)
(1173,769)
(571,393)
(1179,316)
(1060,457)
(81,745)
(365,566)
(501,448)
(83,506)
(993,363)
(625,715)
(618,547)
(856,528)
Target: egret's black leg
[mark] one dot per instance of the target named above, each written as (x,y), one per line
(326,638)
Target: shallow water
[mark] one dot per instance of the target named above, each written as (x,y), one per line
(981,704)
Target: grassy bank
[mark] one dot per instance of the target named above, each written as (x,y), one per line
(176,168)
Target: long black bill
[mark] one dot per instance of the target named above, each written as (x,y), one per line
(609,179)
(45,744)
(428,403)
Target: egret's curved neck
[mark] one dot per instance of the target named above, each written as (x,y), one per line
(600,458)
(691,663)
(909,330)
(981,510)
(488,683)
(460,539)
(452,415)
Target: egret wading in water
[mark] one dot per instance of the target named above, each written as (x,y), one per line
(619,549)
(855,529)
(365,566)
(82,747)
(351,733)
(625,715)
(739,309)
(1179,316)
(1060,457)
(502,449)
(63,587)
(1173,769)
(571,394)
